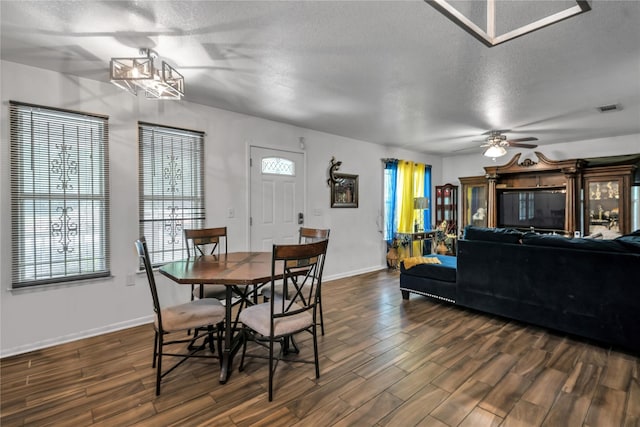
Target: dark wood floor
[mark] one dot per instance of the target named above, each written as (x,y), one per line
(384,362)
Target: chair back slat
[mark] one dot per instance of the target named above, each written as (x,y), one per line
(205,241)
(308,235)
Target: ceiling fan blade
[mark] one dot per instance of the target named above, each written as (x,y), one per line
(515,144)
(475,147)
(530,138)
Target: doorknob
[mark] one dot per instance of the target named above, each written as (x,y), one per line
(300,218)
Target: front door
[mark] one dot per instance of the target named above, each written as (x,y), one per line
(277,197)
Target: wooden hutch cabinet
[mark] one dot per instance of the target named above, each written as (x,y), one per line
(446,209)
(587,195)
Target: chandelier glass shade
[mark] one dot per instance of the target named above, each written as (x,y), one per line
(133,74)
(495,151)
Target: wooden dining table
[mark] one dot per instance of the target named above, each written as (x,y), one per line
(241,272)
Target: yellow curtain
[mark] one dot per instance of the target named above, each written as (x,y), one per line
(410,186)
(405,194)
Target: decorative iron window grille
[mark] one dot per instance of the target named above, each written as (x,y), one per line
(171,187)
(59,195)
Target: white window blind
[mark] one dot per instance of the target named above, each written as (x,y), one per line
(59,195)
(171,188)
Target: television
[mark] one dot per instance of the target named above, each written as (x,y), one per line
(537,208)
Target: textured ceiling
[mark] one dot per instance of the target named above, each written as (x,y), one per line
(390,72)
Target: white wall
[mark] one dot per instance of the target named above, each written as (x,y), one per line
(31,319)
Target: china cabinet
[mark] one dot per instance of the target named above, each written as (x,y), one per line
(446,209)
(446,206)
(607,200)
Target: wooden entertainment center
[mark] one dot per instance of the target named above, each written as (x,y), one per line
(596,194)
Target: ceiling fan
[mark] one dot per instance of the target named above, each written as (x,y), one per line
(496,142)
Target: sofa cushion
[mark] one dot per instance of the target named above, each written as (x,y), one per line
(445,271)
(630,241)
(500,235)
(575,243)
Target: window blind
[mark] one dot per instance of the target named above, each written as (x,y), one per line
(171,180)
(59,195)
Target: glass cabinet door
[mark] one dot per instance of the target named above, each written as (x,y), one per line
(438,206)
(446,205)
(474,201)
(602,210)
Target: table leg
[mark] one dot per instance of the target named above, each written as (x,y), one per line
(227,355)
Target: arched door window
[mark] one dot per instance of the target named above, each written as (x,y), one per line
(278,166)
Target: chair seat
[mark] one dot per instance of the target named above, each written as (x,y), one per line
(258,318)
(192,315)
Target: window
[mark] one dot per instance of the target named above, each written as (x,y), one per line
(59,195)
(171,168)
(404,181)
(526,204)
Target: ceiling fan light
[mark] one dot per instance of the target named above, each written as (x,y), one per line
(495,151)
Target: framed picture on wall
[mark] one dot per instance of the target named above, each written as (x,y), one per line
(344,191)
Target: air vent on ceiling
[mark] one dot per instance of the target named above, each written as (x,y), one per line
(609,108)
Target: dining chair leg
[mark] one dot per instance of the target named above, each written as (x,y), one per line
(315,351)
(243,337)
(212,344)
(321,316)
(159,368)
(155,350)
(270,370)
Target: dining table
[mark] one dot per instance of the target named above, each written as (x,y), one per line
(242,273)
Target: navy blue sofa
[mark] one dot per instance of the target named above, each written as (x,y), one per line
(585,287)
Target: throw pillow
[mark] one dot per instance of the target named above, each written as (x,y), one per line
(413,261)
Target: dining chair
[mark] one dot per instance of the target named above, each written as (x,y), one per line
(305,235)
(204,316)
(278,320)
(206,241)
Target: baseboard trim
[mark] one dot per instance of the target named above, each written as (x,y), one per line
(75,336)
(353,273)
